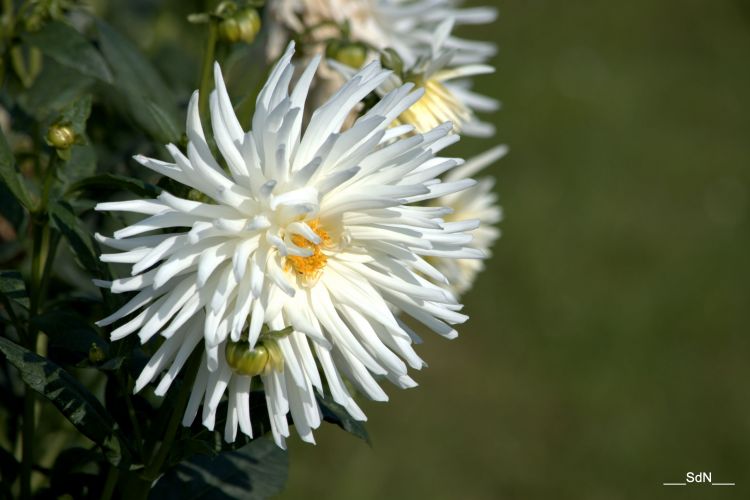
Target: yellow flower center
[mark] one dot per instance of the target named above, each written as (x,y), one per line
(309,268)
(437,106)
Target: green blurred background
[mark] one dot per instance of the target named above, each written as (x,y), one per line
(608,345)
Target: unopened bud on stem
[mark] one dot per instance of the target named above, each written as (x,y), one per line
(243,26)
(353,54)
(61,136)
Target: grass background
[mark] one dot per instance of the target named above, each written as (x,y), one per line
(608,345)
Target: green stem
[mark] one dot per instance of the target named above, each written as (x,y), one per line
(27,461)
(207,69)
(49,177)
(53,242)
(8,9)
(109,484)
(153,469)
(41,268)
(40,251)
(131,412)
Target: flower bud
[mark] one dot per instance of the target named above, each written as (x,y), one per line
(242,26)
(275,356)
(61,136)
(249,23)
(96,354)
(353,54)
(246,361)
(229,30)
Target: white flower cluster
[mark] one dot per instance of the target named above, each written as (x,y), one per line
(315,236)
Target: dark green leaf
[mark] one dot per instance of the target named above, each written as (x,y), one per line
(257,471)
(56,86)
(140,85)
(115,183)
(81,165)
(10,209)
(70,48)
(10,177)
(73,400)
(81,157)
(83,245)
(169,130)
(76,113)
(71,338)
(337,414)
(13,288)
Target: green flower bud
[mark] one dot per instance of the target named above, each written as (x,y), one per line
(242,26)
(246,361)
(353,54)
(96,354)
(60,136)
(229,30)
(249,23)
(275,356)
(195,195)
(265,358)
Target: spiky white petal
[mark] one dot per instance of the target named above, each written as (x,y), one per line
(407,26)
(316,229)
(474,206)
(446,82)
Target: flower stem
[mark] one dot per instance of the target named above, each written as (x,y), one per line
(110,483)
(40,251)
(153,469)
(41,268)
(131,411)
(206,69)
(27,462)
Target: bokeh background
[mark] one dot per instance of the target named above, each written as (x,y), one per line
(608,348)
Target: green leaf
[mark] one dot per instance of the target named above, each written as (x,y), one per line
(81,157)
(68,47)
(81,165)
(10,209)
(71,337)
(83,245)
(76,113)
(337,414)
(257,471)
(13,288)
(141,86)
(10,177)
(115,183)
(71,398)
(56,86)
(167,126)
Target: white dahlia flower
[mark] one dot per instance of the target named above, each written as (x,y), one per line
(447,95)
(478,202)
(311,231)
(406,26)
